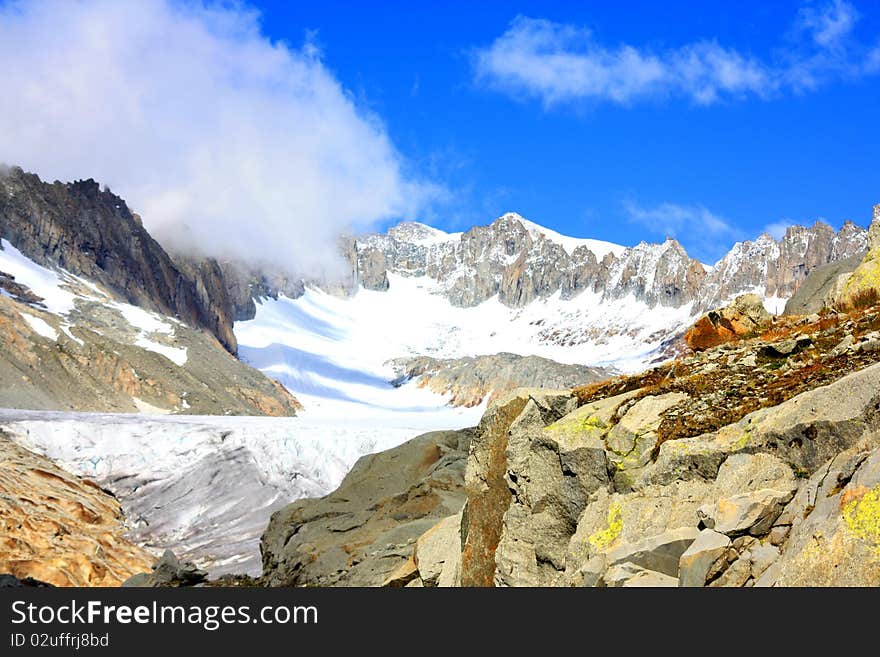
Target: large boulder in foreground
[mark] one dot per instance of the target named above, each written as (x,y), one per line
(366,530)
(58,528)
(745,315)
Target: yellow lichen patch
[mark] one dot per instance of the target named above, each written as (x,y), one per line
(603,538)
(866,276)
(579,425)
(745,438)
(862,517)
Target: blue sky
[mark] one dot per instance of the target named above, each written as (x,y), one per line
(798,142)
(262,129)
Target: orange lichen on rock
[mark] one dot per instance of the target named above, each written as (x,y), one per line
(742,317)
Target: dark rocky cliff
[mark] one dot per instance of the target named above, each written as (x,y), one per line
(91,232)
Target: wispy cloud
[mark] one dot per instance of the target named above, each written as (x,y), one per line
(557,63)
(828,23)
(704,234)
(223,140)
(777,229)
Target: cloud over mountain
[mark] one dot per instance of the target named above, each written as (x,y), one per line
(222,139)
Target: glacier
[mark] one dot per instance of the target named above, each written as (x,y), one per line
(205,486)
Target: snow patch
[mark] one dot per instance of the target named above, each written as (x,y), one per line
(40,326)
(65,328)
(176,355)
(599,248)
(144,320)
(43,282)
(775,305)
(146,407)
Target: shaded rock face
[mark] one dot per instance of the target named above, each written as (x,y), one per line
(364,533)
(469,380)
(822,287)
(59,529)
(745,315)
(516,261)
(92,233)
(246,285)
(373,274)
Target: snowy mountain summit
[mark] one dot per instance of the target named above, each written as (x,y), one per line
(520,261)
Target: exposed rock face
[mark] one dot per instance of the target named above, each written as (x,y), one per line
(777,268)
(519,262)
(569,518)
(371,264)
(92,233)
(745,315)
(364,533)
(246,285)
(469,380)
(866,277)
(822,287)
(832,527)
(60,529)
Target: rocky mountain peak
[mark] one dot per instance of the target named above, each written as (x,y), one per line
(520,261)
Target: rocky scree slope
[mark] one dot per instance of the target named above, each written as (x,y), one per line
(755,462)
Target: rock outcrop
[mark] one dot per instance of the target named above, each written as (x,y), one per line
(470,380)
(364,533)
(863,286)
(91,232)
(168,572)
(721,509)
(745,315)
(95,359)
(60,529)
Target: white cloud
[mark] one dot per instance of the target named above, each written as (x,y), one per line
(777,229)
(829,22)
(217,136)
(703,233)
(557,63)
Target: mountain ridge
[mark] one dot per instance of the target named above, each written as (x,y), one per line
(520,261)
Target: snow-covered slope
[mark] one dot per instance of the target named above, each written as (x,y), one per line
(597,247)
(327,348)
